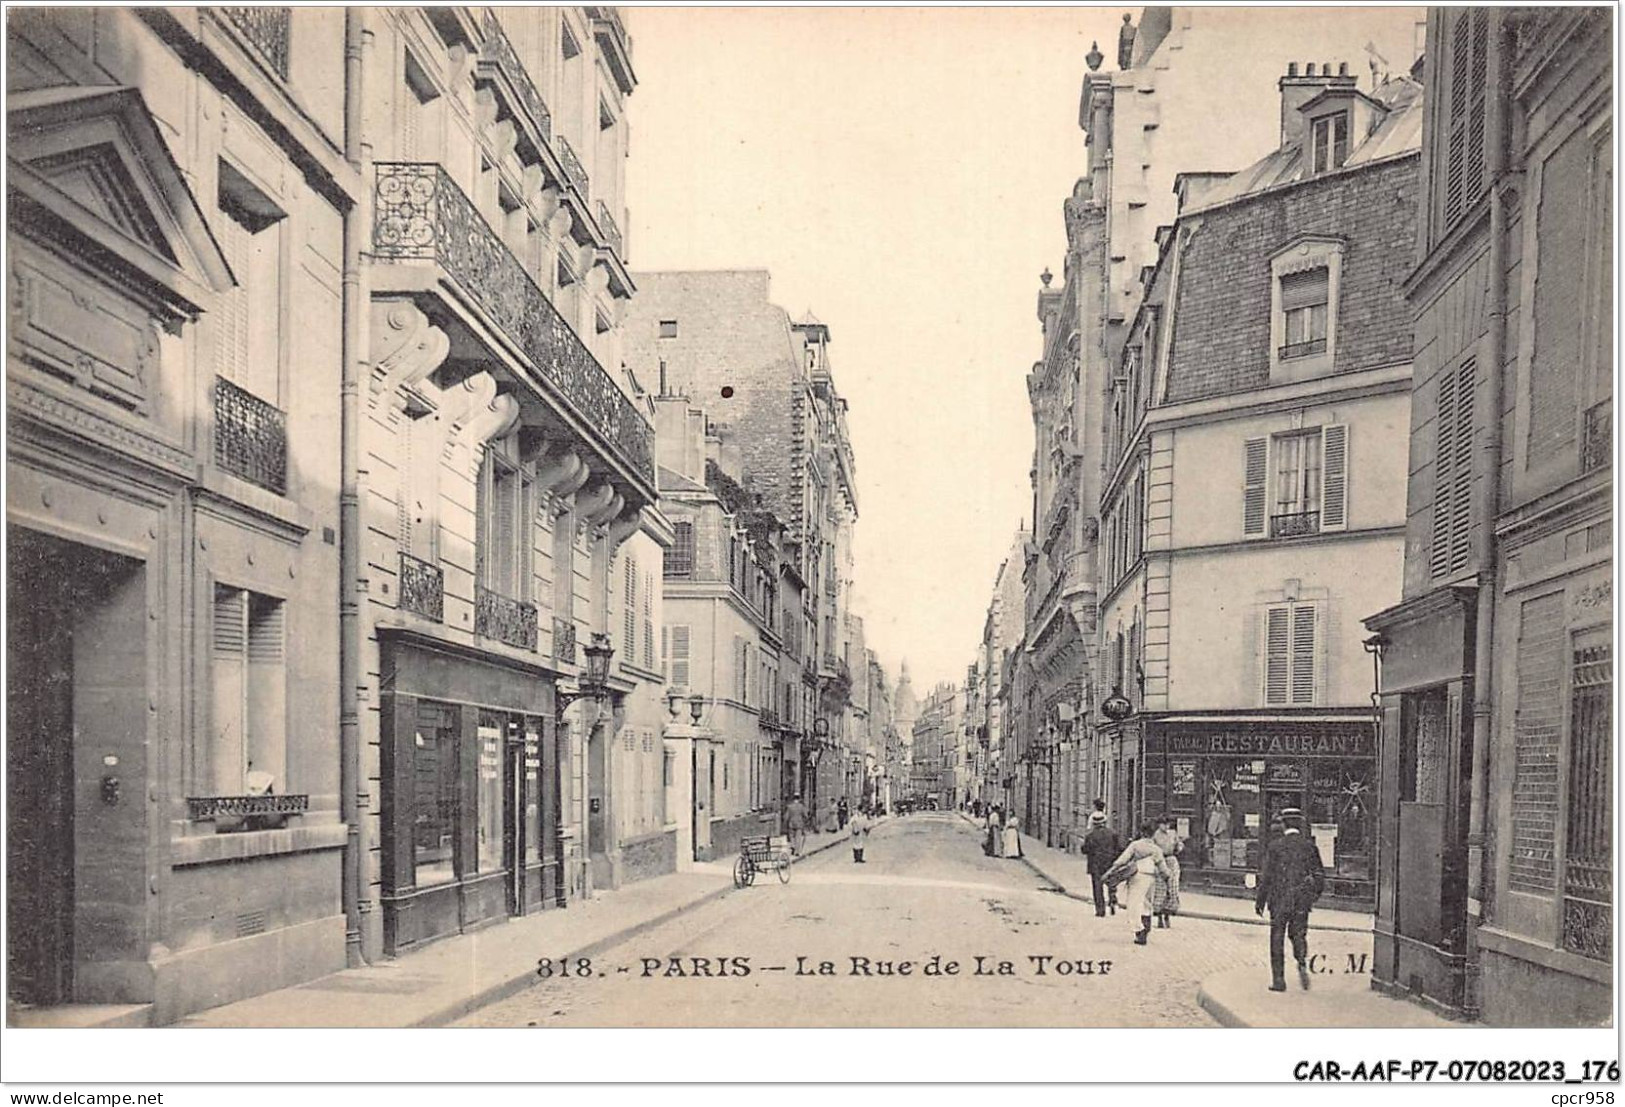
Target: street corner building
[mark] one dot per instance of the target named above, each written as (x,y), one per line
(1497,893)
(323,474)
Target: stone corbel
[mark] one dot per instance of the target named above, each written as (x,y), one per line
(560,222)
(460,63)
(553,470)
(594,501)
(597,281)
(531,180)
(485,109)
(504,137)
(570,486)
(617,502)
(470,398)
(623,527)
(407,348)
(495,420)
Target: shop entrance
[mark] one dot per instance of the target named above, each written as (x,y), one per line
(71,614)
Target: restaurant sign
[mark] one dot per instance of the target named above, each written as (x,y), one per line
(1251,743)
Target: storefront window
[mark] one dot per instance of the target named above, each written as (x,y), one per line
(533,786)
(1232,816)
(489,792)
(434,802)
(1341,819)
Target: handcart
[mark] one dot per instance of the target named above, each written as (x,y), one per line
(759,853)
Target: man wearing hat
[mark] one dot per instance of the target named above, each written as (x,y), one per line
(1101,845)
(1291,880)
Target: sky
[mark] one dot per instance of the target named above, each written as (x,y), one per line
(900,172)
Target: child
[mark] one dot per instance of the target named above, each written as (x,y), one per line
(859,829)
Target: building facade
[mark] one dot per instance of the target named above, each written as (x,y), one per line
(178,197)
(1496,897)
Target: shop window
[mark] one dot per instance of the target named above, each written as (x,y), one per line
(1422,760)
(248,316)
(489,798)
(434,795)
(1290,655)
(248,707)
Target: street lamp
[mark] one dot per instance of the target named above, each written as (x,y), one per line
(594,683)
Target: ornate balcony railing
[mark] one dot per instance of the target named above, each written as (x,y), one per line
(421,214)
(250,437)
(1295,524)
(267,30)
(611,229)
(505,619)
(573,169)
(564,640)
(422,587)
(240,807)
(1303,349)
(498,52)
(769,719)
(1597,443)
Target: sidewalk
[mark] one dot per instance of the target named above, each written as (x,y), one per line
(1241,998)
(1070,874)
(453,976)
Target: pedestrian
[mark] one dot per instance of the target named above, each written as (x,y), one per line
(993,846)
(1141,861)
(1101,846)
(1292,880)
(1165,897)
(843,812)
(1012,836)
(795,823)
(859,831)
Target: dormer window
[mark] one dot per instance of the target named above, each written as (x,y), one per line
(1304,287)
(1330,141)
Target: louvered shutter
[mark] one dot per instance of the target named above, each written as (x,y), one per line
(679,656)
(1277,655)
(1455,176)
(1334,453)
(648,621)
(231,312)
(1444,460)
(1303,654)
(1473,175)
(1304,289)
(1461,501)
(629,621)
(229,690)
(1254,517)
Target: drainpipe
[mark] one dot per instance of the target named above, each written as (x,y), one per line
(1489,477)
(354,307)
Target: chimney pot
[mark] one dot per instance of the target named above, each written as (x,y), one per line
(1310,70)
(1291,69)
(1342,69)
(1326,70)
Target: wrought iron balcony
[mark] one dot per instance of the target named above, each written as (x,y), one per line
(1303,349)
(266,29)
(564,640)
(1597,443)
(1295,524)
(611,229)
(250,437)
(422,588)
(573,169)
(421,215)
(497,56)
(507,620)
(237,807)
(769,719)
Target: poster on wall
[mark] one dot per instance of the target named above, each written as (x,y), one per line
(1182,778)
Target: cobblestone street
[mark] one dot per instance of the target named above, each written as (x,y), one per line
(927,891)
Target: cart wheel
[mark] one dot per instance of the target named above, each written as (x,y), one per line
(743,873)
(784,870)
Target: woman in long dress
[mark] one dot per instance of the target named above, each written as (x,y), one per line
(1165,897)
(1146,860)
(1012,836)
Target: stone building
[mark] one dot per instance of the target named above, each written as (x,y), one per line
(179,199)
(767,389)
(1497,894)
(1251,512)
(507,477)
(1145,124)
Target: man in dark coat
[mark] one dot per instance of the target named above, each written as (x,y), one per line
(1291,880)
(1101,846)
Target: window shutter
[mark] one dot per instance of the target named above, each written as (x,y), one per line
(1277,651)
(1444,458)
(1303,654)
(648,621)
(629,621)
(679,656)
(1455,176)
(231,313)
(1334,453)
(1254,495)
(1461,501)
(230,623)
(1303,289)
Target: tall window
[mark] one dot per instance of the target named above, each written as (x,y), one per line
(434,794)
(1289,654)
(1304,299)
(505,541)
(1296,484)
(416,128)
(248,318)
(680,555)
(249,694)
(1331,142)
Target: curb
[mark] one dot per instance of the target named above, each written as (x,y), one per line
(1221,1014)
(513,985)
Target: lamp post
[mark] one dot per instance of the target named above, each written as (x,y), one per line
(593,685)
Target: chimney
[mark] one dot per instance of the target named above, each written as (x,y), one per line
(1297,90)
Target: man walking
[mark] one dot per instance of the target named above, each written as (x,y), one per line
(1101,846)
(795,823)
(1291,881)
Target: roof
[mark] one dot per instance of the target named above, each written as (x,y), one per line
(1399,132)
